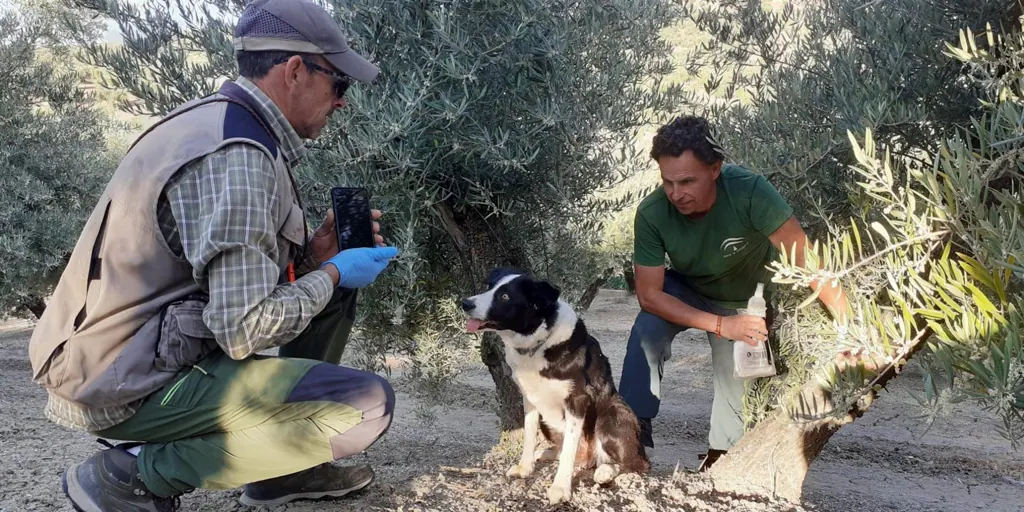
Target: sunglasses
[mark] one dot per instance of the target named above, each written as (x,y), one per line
(341,81)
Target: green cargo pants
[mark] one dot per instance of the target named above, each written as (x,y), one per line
(224,423)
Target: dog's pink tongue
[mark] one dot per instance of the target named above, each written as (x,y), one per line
(474,325)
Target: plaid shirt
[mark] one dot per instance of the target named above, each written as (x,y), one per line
(218,212)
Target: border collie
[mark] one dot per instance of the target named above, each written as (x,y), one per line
(565,380)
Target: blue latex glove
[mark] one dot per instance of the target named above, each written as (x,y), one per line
(361,266)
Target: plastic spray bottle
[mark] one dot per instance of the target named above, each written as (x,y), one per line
(753,361)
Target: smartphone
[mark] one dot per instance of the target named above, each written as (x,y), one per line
(352,220)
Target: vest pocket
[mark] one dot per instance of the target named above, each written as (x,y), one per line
(294,227)
(184,337)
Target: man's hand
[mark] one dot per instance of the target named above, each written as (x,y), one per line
(848,358)
(749,329)
(324,242)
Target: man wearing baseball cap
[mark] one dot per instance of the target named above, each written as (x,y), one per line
(195,260)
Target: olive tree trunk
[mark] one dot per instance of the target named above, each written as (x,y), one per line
(484,244)
(773,458)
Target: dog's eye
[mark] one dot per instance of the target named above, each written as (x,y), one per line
(504,296)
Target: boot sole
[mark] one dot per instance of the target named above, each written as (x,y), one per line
(69,482)
(247,501)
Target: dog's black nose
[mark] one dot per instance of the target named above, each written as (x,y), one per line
(467,304)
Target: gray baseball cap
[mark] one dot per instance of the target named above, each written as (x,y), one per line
(299,26)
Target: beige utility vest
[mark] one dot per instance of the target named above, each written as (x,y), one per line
(98,341)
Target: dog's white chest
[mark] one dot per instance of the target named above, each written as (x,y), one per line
(547,395)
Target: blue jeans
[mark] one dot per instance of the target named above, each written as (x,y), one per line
(650,346)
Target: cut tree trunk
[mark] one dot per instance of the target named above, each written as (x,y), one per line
(773,458)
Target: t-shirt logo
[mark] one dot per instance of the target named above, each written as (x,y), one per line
(732,246)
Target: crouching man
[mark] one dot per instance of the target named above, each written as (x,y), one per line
(720,226)
(195,258)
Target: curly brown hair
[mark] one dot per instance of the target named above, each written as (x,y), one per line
(687,133)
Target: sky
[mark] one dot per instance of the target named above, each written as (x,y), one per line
(113,35)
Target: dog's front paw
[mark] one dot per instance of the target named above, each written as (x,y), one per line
(557,494)
(519,471)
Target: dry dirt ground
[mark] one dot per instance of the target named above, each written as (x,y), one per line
(879,463)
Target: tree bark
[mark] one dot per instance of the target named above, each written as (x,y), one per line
(772,459)
(510,399)
(36,305)
(630,276)
(591,292)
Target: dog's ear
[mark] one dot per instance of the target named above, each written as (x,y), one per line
(544,294)
(498,274)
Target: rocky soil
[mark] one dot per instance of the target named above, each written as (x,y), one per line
(879,463)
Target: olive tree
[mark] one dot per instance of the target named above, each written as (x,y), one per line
(54,161)
(491,138)
(894,129)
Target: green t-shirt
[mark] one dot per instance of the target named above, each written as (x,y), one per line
(723,254)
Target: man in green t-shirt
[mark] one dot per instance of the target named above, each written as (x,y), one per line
(720,226)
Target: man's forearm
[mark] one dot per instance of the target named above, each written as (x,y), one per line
(791,239)
(263,315)
(678,312)
(280,317)
(832,297)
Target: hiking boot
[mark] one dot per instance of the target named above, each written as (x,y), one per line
(110,481)
(709,458)
(323,481)
(647,436)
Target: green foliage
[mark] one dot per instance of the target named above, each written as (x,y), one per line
(918,219)
(54,164)
(979,347)
(811,71)
(488,138)
(57,24)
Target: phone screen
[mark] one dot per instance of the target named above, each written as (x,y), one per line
(352,217)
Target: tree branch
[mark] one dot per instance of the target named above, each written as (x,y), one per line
(893,247)
(452,228)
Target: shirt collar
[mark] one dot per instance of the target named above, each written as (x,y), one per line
(292,145)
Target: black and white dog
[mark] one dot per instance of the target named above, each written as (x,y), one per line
(565,379)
